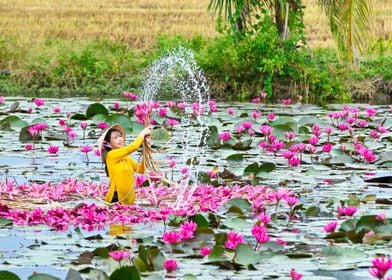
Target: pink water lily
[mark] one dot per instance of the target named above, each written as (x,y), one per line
(119,255)
(53,149)
(131,96)
(224,136)
(233,240)
(330,227)
(171,237)
(205,251)
(170,265)
(380,267)
(295,275)
(39,102)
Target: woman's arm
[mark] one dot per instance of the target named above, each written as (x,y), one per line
(117,154)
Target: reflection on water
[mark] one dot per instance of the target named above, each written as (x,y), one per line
(119,229)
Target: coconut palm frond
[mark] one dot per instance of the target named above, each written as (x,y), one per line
(349,24)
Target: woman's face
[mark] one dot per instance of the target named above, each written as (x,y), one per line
(116,140)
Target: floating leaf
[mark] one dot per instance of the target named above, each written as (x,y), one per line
(79,117)
(73,275)
(12,123)
(6,275)
(42,276)
(338,255)
(123,120)
(149,259)
(312,211)
(125,273)
(217,255)
(241,203)
(243,145)
(235,157)
(96,108)
(160,134)
(245,255)
(255,168)
(200,220)
(5,222)
(385,157)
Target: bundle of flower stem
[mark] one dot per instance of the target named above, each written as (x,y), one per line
(148,162)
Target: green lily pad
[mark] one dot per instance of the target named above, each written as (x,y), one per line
(125,273)
(245,255)
(42,276)
(96,108)
(312,211)
(339,255)
(123,120)
(6,275)
(160,134)
(5,222)
(12,123)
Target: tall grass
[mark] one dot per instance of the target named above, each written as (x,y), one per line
(138,22)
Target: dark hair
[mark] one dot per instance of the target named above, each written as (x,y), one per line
(106,148)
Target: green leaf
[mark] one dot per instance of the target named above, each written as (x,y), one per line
(241,203)
(123,120)
(245,255)
(6,275)
(200,220)
(79,117)
(342,158)
(385,157)
(96,108)
(369,198)
(125,273)
(335,254)
(235,157)
(217,255)
(243,145)
(371,223)
(25,136)
(152,258)
(12,123)
(312,211)
(5,222)
(160,134)
(189,276)
(235,223)
(256,169)
(42,276)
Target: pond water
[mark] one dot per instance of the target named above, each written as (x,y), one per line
(321,182)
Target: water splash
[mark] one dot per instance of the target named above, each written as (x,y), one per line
(176,76)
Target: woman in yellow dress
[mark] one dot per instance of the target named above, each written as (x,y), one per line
(119,166)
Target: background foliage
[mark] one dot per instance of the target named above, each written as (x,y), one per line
(59,49)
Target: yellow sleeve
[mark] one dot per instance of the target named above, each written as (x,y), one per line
(117,154)
(138,167)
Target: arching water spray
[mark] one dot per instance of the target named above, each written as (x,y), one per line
(177,76)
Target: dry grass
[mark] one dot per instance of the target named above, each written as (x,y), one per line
(138,22)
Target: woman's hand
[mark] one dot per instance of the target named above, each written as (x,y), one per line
(146,131)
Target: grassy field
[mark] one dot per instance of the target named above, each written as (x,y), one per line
(138,22)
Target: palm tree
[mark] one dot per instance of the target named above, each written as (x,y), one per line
(236,12)
(350,26)
(239,13)
(348,19)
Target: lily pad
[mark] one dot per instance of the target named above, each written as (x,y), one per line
(125,273)
(42,276)
(96,108)
(339,255)
(6,275)
(12,123)
(245,255)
